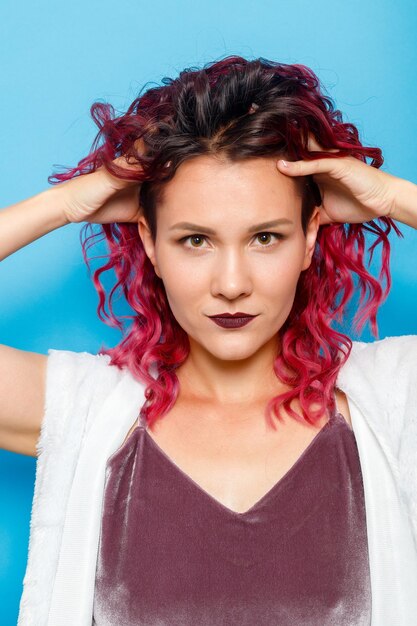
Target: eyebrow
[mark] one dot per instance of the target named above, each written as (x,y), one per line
(210,231)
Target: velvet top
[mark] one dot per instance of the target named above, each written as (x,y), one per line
(171,554)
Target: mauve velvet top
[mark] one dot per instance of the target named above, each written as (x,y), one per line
(172,555)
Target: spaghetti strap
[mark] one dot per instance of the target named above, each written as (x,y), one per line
(141,422)
(335,411)
(336,414)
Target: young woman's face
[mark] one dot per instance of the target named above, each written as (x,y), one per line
(230,261)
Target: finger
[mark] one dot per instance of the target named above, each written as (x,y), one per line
(122,161)
(324,218)
(313,145)
(116,181)
(128,167)
(305,168)
(131,169)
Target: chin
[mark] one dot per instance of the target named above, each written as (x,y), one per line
(233,354)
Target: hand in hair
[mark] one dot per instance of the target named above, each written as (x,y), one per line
(100,197)
(351,190)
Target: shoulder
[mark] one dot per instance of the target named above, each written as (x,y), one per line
(77,384)
(77,361)
(385,367)
(389,356)
(397,346)
(75,371)
(380,378)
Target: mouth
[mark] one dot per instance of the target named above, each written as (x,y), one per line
(232,321)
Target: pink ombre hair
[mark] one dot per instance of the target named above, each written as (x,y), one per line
(238,109)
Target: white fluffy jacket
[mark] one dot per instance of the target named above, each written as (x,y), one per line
(90,406)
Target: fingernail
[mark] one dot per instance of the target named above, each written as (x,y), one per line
(283,163)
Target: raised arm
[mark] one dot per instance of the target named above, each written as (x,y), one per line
(95,197)
(405,207)
(353,191)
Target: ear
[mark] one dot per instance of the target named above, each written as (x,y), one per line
(148,244)
(311,236)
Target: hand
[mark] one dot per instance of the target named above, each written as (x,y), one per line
(101,198)
(352,191)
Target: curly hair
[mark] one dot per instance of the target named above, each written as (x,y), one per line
(239,109)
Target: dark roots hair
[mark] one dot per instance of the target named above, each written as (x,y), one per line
(237,109)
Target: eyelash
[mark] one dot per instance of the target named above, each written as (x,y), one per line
(278,236)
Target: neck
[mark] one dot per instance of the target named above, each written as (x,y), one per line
(230,383)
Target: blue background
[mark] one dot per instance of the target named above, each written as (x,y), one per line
(57,59)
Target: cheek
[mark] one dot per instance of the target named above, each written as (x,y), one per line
(280,273)
(184,290)
(285,276)
(185,277)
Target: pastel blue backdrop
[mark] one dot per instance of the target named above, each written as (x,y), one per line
(57,59)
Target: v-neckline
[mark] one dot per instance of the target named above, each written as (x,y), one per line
(275,487)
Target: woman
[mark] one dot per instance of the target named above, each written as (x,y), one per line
(236,496)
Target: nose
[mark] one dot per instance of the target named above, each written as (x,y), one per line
(231,275)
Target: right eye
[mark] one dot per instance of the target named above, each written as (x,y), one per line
(184,239)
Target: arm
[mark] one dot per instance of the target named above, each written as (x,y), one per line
(94,197)
(30,219)
(354,192)
(405,207)
(23,373)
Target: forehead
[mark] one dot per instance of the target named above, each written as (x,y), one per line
(211,184)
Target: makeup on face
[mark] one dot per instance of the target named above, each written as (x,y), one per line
(232,321)
(230,248)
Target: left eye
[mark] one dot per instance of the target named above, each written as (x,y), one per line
(276,235)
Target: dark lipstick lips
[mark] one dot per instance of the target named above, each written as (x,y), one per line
(232,321)
(238,314)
